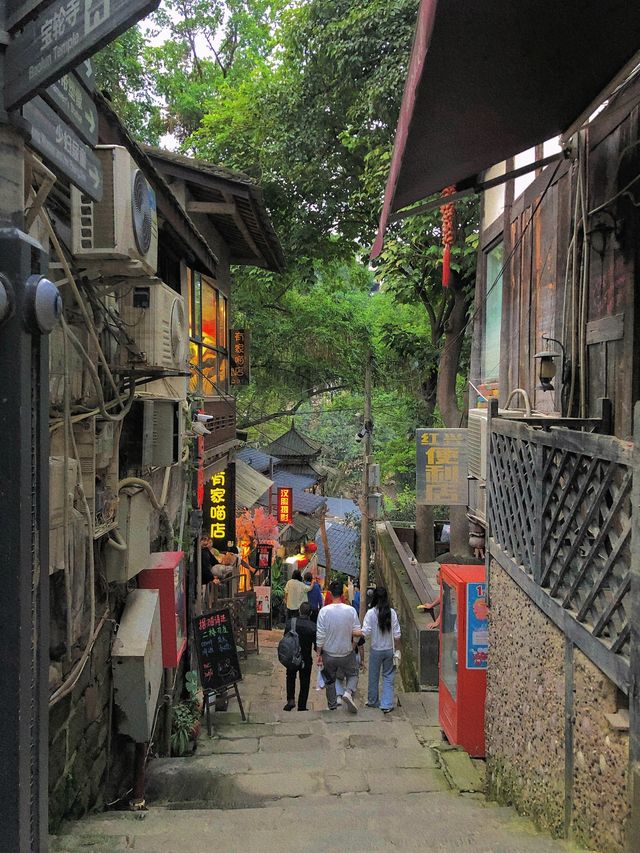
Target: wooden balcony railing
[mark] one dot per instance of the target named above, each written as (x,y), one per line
(223,425)
(559,506)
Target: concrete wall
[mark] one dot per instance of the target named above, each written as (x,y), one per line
(419,645)
(577,789)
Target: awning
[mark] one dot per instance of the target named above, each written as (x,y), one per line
(491,78)
(250,485)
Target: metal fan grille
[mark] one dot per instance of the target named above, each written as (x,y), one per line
(178,324)
(142,212)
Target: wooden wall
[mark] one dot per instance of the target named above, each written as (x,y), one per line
(536,229)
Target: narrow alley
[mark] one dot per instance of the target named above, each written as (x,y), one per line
(318,781)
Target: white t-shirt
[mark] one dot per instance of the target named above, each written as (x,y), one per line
(336,623)
(380,641)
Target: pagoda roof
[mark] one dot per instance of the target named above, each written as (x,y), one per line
(292,444)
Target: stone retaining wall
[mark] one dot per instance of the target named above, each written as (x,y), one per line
(580,792)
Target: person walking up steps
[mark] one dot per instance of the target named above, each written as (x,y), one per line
(381,625)
(337,626)
(306,631)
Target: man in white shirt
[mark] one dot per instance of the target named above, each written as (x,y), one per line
(337,626)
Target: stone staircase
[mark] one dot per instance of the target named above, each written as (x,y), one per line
(314,781)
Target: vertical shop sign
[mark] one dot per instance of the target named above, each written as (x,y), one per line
(219,507)
(441,467)
(240,357)
(285,505)
(477,626)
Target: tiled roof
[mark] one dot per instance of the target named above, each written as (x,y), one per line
(256,458)
(344,547)
(282,478)
(303,526)
(340,507)
(304,469)
(250,484)
(294,444)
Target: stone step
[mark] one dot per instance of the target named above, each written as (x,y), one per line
(357,822)
(179,779)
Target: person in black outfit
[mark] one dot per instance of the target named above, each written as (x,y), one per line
(306,631)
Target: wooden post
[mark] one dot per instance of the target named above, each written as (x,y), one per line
(364,523)
(633,825)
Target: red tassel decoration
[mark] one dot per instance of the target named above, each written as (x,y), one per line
(447,211)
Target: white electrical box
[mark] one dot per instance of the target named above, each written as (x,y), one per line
(134,520)
(136,660)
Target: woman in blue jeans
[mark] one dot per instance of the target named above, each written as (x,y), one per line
(381,626)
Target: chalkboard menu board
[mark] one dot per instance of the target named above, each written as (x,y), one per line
(217,654)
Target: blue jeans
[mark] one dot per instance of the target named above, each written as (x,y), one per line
(381,659)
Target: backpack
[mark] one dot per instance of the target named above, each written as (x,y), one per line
(289,651)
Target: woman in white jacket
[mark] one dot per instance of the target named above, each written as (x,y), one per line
(382,628)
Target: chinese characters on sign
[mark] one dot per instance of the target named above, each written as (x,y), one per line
(240,357)
(218,510)
(441,467)
(285,505)
(263,600)
(216,647)
(60,37)
(477,628)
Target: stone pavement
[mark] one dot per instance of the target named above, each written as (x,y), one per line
(315,781)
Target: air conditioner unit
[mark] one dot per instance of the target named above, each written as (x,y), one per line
(155,322)
(477,438)
(118,235)
(134,525)
(161,433)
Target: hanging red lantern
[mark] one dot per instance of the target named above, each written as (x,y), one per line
(302,562)
(310,548)
(446,211)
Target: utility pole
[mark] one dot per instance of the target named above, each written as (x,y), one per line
(364,502)
(29,307)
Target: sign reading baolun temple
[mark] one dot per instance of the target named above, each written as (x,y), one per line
(441,467)
(219,507)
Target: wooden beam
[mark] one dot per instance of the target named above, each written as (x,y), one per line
(239,221)
(212,207)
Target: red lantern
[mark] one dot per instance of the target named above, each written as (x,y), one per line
(302,562)
(311,548)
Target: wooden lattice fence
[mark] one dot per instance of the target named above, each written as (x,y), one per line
(560,512)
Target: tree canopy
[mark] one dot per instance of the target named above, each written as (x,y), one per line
(304,96)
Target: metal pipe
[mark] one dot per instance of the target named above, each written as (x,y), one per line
(137,802)
(525,397)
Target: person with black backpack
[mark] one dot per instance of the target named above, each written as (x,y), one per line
(298,660)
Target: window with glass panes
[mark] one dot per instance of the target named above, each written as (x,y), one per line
(492,313)
(209,354)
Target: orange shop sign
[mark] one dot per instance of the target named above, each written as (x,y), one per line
(285,505)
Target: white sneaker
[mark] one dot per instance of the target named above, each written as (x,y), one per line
(347,699)
(339,700)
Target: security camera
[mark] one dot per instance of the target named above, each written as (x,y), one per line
(200,429)
(203,419)
(360,435)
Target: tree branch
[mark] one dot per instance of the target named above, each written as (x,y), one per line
(291,410)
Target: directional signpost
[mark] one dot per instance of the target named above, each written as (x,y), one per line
(84,73)
(74,104)
(60,37)
(61,146)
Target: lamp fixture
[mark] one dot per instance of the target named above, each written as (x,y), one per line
(547,369)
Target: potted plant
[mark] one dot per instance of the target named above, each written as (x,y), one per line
(183,728)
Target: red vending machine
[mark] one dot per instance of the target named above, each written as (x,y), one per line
(464,646)
(166,574)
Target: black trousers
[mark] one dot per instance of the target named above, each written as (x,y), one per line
(304,675)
